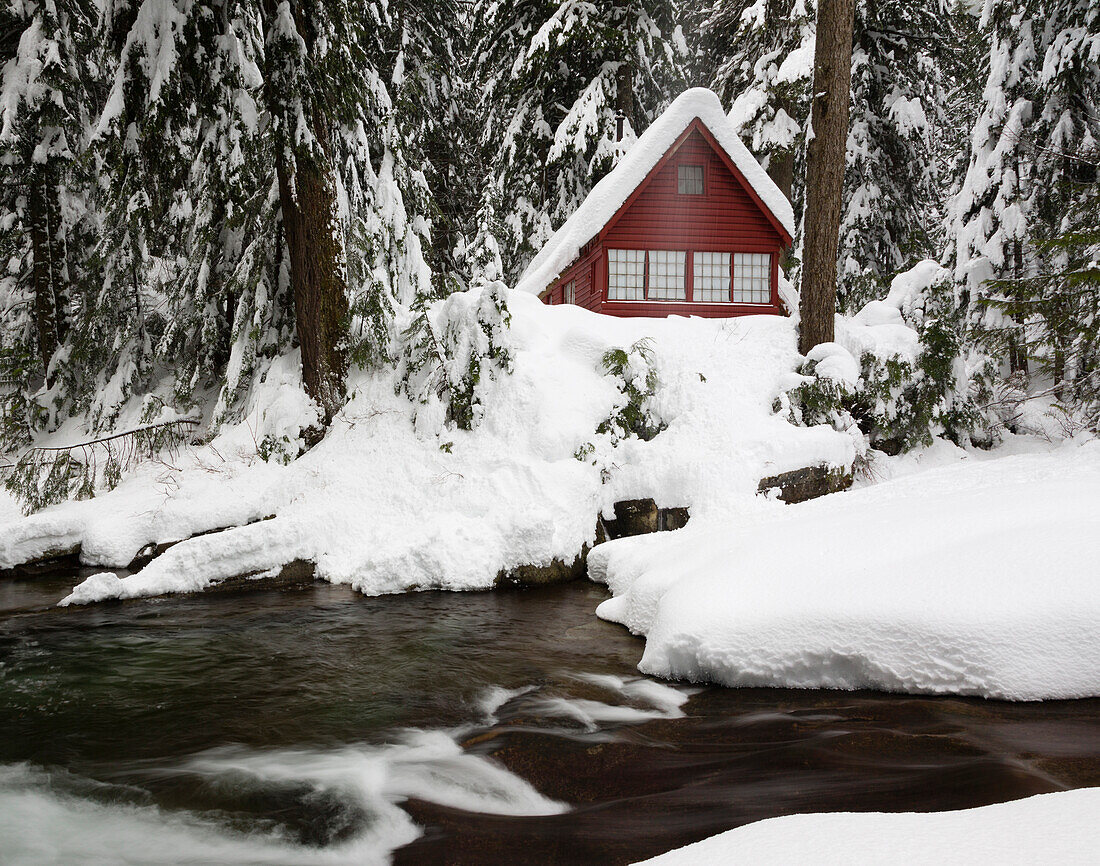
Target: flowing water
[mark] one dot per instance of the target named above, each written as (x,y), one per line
(321,726)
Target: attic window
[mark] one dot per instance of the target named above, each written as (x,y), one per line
(689,179)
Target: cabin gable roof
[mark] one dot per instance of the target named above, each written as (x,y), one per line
(695,110)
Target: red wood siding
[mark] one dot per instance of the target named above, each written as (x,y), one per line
(724,217)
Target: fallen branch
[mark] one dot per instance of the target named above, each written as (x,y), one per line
(44,475)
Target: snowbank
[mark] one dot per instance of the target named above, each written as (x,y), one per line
(975,578)
(384,508)
(612,191)
(1049,828)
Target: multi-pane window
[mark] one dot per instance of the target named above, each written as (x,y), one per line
(569,293)
(689,179)
(710,277)
(626,275)
(666,275)
(660,275)
(752,278)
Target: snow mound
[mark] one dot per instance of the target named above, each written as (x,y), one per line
(977,578)
(612,191)
(386,506)
(1048,828)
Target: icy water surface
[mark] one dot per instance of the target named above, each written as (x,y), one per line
(509,727)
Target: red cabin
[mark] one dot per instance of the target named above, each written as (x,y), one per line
(688,223)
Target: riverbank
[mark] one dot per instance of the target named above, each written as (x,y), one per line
(393,499)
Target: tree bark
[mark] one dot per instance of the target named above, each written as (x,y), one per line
(624,92)
(313,238)
(315,245)
(825,170)
(43,214)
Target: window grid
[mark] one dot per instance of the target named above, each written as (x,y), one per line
(752,278)
(689,179)
(711,277)
(626,275)
(569,294)
(666,275)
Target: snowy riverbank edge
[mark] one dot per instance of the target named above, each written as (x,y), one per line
(393,499)
(978,577)
(1049,828)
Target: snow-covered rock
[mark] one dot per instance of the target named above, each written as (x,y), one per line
(980,577)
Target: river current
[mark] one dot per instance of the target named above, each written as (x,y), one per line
(321,726)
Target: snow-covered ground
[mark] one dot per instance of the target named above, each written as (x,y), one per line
(1061,828)
(386,508)
(979,576)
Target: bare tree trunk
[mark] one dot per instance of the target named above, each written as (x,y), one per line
(43,217)
(825,170)
(308,201)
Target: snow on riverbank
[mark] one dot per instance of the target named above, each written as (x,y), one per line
(1049,828)
(384,508)
(979,577)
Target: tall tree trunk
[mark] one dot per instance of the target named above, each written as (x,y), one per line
(825,170)
(314,240)
(308,200)
(43,217)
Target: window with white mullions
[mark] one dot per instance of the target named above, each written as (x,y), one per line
(569,295)
(752,278)
(626,275)
(666,275)
(710,282)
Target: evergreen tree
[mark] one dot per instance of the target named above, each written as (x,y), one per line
(554,76)
(990,212)
(758,57)
(45,95)
(1021,227)
(892,199)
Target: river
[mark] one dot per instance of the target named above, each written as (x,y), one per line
(321,726)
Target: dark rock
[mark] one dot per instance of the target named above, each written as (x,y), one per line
(51,560)
(297,574)
(558,571)
(632,517)
(669,519)
(809,483)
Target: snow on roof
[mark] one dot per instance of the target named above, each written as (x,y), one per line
(611,193)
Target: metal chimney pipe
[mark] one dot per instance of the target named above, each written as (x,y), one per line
(620,119)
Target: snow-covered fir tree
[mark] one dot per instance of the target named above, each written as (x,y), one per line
(893,204)
(554,77)
(758,57)
(45,96)
(1019,218)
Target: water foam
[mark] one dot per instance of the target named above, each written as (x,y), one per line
(42,824)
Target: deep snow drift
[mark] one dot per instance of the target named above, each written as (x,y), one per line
(980,577)
(386,507)
(1049,828)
